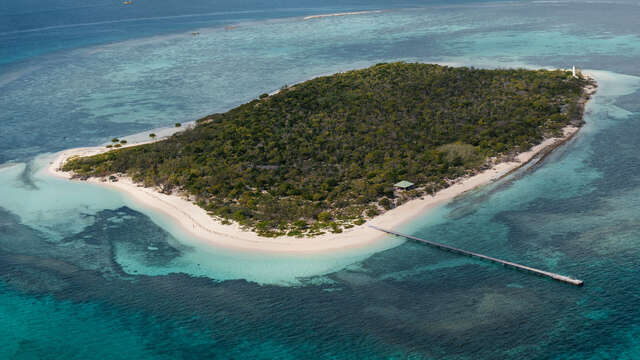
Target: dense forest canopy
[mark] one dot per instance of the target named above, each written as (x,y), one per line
(324,154)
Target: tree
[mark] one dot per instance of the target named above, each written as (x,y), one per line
(324,216)
(385,203)
(330,149)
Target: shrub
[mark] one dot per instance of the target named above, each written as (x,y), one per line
(324,216)
(460,153)
(300,224)
(385,203)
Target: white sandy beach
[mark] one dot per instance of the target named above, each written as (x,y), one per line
(197,222)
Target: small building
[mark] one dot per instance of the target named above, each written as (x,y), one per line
(404,185)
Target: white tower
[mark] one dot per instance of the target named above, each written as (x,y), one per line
(573,70)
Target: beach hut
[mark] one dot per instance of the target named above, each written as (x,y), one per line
(403,185)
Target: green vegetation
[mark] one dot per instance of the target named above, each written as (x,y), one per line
(152,135)
(322,155)
(177,125)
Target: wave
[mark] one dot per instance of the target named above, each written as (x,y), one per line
(54,27)
(342,14)
(215,13)
(575,2)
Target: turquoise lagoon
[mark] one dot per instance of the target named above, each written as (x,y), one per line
(86,273)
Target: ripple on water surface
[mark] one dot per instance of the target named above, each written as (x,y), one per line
(74,251)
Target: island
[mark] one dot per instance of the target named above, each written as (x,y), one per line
(319,159)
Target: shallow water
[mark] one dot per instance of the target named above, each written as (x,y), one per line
(76,214)
(75,256)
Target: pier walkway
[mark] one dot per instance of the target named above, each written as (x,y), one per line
(454,250)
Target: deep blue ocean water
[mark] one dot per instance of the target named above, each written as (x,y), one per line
(85,273)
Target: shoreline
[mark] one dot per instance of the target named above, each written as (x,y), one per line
(198,223)
(195,220)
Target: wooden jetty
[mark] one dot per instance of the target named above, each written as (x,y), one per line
(510,264)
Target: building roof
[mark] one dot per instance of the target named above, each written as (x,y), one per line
(404,184)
